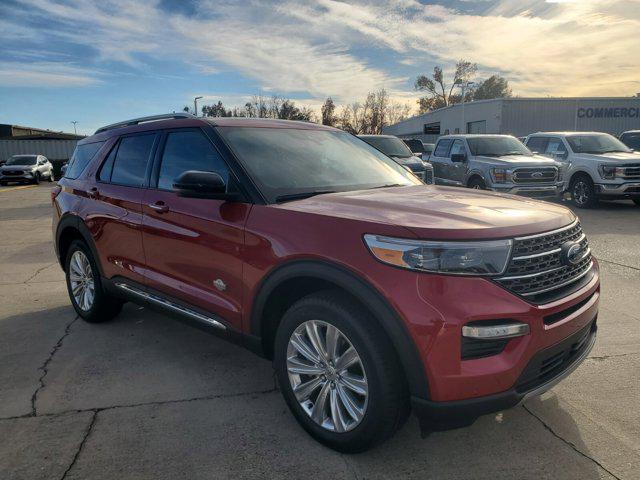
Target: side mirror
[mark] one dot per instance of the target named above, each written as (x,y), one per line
(458,157)
(197,184)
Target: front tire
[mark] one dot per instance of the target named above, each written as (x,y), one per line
(583,192)
(636,201)
(339,373)
(36,178)
(51,176)
(88,298)
(477,184)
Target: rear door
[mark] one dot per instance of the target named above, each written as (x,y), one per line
(115,215)
(440,161)
(193,246)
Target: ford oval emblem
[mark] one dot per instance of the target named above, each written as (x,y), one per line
(571,253)
(536,174)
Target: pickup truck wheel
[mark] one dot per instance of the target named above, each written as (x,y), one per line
(87,296)
(583,193)
(339,375)
(477,184)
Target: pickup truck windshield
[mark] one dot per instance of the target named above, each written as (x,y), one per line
(22,160)
(596,143)
(287,163)
(497,146)
(392,146)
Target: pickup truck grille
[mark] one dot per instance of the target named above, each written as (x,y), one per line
(537,266)
(632,171)
(535,175)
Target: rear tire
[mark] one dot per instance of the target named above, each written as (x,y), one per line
(375,392)
(583,192)
(84,285)
(477,184)
(51,176)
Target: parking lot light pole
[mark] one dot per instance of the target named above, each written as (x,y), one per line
(74,127)
(195,104)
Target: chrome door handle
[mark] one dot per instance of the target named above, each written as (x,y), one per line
(159,207)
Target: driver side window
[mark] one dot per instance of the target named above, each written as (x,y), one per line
(457,148)
(555,147)
(188,150)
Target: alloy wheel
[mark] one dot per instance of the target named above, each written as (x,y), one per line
(327,376)
(580,192)
(81,280)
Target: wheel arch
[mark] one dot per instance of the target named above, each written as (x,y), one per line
(473,175)
(580,173)
(296,279)
(70,228)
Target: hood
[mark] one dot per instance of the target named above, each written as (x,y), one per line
(16,167)
(613,158)
(408,160)
(433,212)
(519,161)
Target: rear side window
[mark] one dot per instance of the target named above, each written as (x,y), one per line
(442,149)
(81,157)
(188,150)
(555,147)
(537,144)
(131,160)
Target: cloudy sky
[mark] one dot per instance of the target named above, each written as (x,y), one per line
(102,61)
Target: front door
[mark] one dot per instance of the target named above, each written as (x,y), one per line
(457,170)
(193,247)
(440,161)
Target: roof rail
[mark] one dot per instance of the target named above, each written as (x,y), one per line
(152,118)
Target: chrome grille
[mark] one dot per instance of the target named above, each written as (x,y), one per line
(537,266)
(632,171)
(535,175)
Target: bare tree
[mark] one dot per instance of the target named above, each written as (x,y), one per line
(440,93)
(372,115)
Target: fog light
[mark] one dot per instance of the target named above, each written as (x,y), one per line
(492,332)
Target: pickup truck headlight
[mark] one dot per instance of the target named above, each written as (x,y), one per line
(609,172)
(457,258)
(501,175)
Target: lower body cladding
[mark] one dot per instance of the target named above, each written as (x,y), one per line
(535,191)
(469,372)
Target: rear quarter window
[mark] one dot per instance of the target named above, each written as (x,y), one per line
(81,157)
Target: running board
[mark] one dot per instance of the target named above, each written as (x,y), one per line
(171,305)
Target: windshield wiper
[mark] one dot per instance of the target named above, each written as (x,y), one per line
(391,185)
(510,153)
(301,195)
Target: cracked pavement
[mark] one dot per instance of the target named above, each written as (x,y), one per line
(145,396)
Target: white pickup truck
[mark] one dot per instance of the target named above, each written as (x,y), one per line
(596,165)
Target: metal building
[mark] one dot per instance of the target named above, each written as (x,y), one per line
(522,116)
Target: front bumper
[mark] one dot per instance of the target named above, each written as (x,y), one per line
(545,369)
(537,191)
(621,190)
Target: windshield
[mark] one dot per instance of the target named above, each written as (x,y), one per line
(632,140)
(22,160)
(596,143)
(287,162)
(497,146)
(392,146)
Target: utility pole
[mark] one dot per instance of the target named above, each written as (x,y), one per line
(195,104)
(464,86)
(74,127)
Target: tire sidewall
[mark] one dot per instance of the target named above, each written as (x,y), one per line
(358,336)
(477,184)
(98,298)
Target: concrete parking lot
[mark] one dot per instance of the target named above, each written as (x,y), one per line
(147,397)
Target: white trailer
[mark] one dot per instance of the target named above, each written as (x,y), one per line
(57,151)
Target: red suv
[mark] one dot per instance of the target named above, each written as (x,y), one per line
(372,293)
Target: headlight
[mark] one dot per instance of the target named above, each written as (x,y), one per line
(610,172)
(459,258)
(501,175)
